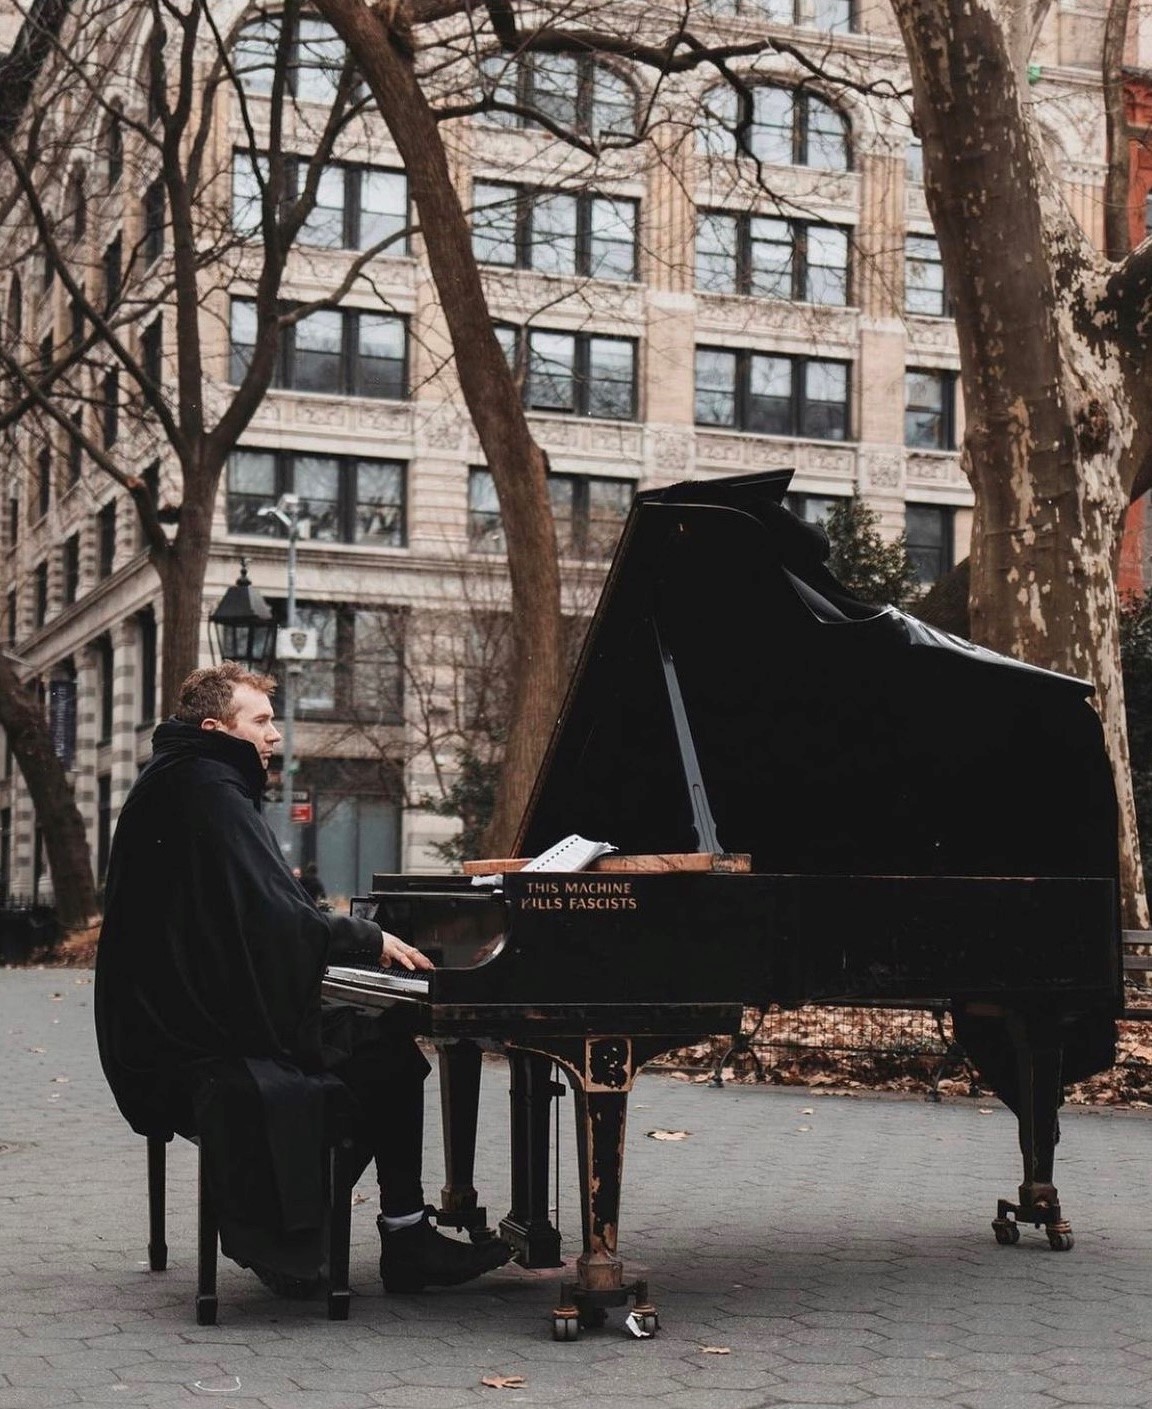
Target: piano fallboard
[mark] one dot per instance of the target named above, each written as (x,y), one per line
(555,946)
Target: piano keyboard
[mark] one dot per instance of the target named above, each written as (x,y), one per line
(394,979)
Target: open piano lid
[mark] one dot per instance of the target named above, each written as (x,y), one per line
(732,695)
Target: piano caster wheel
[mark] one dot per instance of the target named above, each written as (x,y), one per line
(1007,1231)
(647,1322)
(1060,1239)
(481,1235)
(592,1317)
(565,1328)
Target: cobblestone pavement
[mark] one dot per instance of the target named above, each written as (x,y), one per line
(837,1248)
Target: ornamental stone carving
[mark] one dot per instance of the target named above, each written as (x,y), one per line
(880,472)
(936,469)
(443,429)
(672,451)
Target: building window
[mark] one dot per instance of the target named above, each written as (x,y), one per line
(811,508)
(830,16)
(771,258)
(346,499)
(110,407)
(114,147)
(930,410)
(152,351)
(572,92)
(15,313)
(12,623)
(75,448)
(43,481)
(70,568)
(62,714)
(40,594)
(588,511)
(315,58)
(334,352)
(152,243)
(76,208)
(924,291)
(75,324)
(914,162)
(580,374)
(782,126)
(357,207)
(929,531)
(146,647)
(553,232)
(113,270)
(358,671)
(772,395)
(103,825)
(105,660)
(106,539)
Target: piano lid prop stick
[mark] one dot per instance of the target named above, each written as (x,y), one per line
(703,822)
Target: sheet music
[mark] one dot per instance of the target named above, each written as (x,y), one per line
(571,853)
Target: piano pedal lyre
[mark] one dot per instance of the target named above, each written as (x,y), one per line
(1040,1206)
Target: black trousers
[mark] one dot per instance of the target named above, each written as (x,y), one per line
(385,1071)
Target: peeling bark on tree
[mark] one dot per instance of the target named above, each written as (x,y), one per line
(1053,361)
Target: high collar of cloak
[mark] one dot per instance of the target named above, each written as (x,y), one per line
(175,742)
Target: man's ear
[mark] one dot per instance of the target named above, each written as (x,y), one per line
(210,724)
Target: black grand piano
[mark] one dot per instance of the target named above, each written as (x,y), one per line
(813,800)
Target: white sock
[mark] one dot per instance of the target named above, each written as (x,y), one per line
(405,1220)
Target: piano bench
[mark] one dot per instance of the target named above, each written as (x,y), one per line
(344,1171)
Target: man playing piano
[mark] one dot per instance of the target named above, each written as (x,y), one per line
(208,1010)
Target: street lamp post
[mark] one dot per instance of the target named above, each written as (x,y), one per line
(287,512)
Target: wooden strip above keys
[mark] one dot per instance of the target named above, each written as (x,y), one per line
(720,861)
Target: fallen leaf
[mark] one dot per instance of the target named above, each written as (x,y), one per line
(503,1381)
(56,997)
(986,1110)
(38,1049)
(62,1078)
(806,1110)
(668,1134)
(715,1350)
(359,1199)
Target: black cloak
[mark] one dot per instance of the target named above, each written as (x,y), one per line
(211,953)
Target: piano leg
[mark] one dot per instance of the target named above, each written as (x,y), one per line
(601,1071)
(1038,1051)
(459,1107)
(528,1227)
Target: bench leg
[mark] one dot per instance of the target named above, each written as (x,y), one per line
(208,1237)
(344,1172)
(157,1246)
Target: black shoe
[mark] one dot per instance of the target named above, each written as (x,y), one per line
(418,1256)
(282,1285)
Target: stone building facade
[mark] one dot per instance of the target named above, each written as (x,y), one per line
(681,317)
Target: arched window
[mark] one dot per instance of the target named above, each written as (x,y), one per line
(573,92)
(781,126)
(15,315)
(76,207)
(114,146)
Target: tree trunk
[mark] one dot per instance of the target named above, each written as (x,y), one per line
(61,824)
(517,464)
(1048,405)
(182,570)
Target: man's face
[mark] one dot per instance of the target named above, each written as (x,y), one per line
(253,721)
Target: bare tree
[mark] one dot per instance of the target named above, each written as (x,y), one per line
(137,382)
